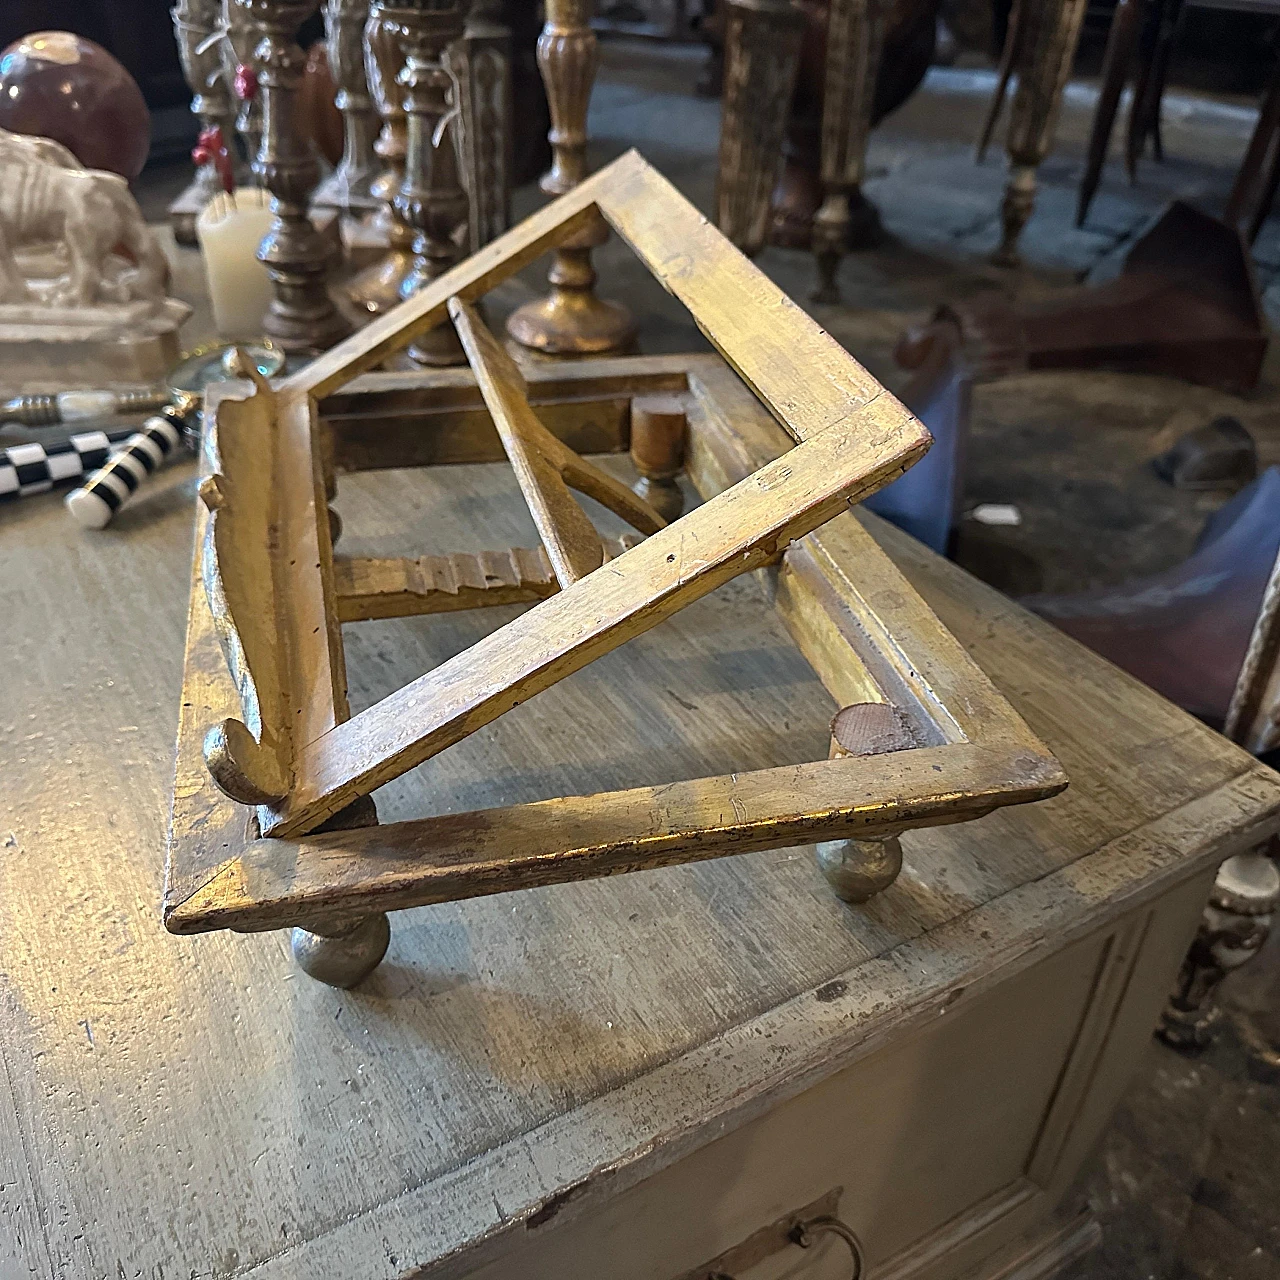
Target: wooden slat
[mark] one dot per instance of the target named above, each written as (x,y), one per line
(275,883)
(567,533)
(805,377)
(470,279)
(737,531)
(395,587)
(544,467)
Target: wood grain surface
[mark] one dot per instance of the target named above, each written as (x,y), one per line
(185,1107)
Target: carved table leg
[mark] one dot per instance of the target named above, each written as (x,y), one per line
(855,41)
(859,869)
(347,187)
(658,429)
(571,320)
(1234,927)
(194,24)
(342,952)
(302,317)
(239,51)
(376,289)
(1047,38)
(481,65)
(762,57)
(431,199)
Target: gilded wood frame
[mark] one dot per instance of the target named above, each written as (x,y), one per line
(864,631)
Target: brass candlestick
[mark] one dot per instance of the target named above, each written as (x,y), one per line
(347,187)
(239,52)
(302,317)
(376,289)
(195,23)
(431,199)
(571,320)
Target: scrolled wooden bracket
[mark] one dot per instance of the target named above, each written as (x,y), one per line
(242,767)
(248,757)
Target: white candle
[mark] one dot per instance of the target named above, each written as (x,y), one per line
(230,228)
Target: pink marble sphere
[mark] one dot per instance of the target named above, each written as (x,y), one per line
(57,85)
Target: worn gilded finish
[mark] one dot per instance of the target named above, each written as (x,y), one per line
(531,1081)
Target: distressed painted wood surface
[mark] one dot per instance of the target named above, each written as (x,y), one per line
(178,1107)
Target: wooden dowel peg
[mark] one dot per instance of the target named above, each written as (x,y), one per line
(658,428)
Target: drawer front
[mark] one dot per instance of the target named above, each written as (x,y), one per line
(940,1147)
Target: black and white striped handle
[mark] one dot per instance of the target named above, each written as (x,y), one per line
(95,503)
(35,468)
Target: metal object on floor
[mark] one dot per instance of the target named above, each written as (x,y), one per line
(572,320)
(376,289)
(1185,305)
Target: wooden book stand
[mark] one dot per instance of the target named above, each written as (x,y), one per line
(272,822)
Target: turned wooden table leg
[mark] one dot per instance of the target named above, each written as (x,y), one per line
(1235,924)
(302,317)
(855,42)
(195,23)
(343,951)
(658,429)
(859,869)
(1122,41)
(431,200)
(762,57)
(347,187)
(376,289)
(571,320)
(1047,38)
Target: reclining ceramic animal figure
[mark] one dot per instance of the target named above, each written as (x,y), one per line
(48,197)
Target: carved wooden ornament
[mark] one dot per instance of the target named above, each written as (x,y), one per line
(271,728)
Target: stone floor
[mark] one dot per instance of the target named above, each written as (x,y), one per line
(1186,1179)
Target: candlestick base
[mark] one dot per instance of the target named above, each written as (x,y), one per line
(376,289)
(571,323)
(438,348)
(571,320)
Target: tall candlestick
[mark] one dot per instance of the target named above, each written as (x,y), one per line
(302,317)
(239,52)
(194,24)
(571,320)
(377,288)
(431,198)
(347,187)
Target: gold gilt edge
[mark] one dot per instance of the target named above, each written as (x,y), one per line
(209,883)
(275,883)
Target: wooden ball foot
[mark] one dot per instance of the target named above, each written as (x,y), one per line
(342,956)
(859,869)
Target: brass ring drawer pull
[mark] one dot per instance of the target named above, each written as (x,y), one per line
(805,1234)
